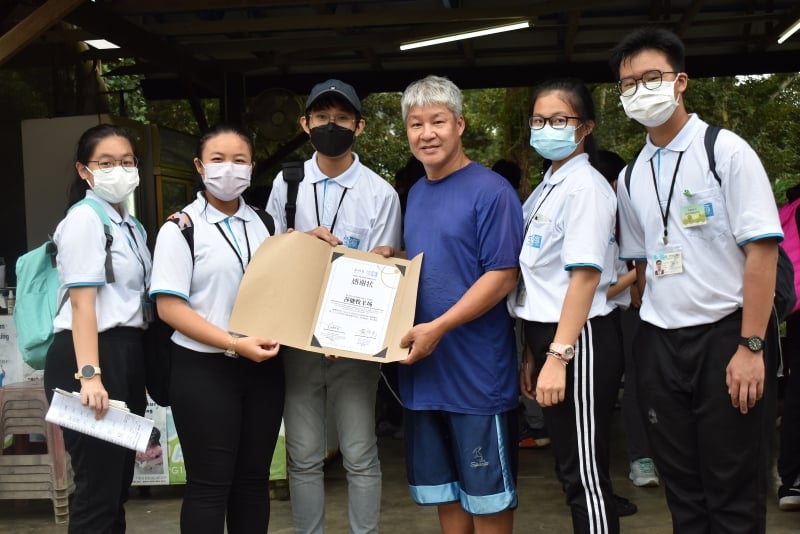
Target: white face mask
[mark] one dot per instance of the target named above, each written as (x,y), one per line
(651,108)
(115,185)
(226,181)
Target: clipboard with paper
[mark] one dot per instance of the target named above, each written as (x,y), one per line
(118,426)
(330,300)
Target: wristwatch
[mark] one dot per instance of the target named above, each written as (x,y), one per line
(230,352)
(567,352)
(754,343)
(87,371)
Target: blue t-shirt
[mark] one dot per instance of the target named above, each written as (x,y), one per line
(466,224)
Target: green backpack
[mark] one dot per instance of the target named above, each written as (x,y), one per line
(37,292)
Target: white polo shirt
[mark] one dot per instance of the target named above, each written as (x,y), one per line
(366,217)
(739,211)
(81,259)
(623,299)
(570,223)
(223,247)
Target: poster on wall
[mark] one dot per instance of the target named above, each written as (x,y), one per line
(12,368)
(151,467)
(177,471)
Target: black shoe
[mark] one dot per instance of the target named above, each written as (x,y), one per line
(624,506)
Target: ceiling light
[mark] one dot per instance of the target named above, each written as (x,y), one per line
(789,31)
(101,44)
(464,35)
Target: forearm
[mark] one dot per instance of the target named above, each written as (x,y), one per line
(483,295)
(623,282)
(84,326)
(577,303)
(759,286)
(176,312)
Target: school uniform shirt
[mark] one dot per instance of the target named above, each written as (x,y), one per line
(223,247)
(569,222)
(740,210)
(622,299)
(358,206)
(81,244)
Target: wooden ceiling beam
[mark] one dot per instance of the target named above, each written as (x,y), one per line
(136,7)
(440,17)
(34,25)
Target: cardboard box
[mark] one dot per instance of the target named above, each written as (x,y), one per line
(287,288)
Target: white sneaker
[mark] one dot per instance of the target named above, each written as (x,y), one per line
(643,473)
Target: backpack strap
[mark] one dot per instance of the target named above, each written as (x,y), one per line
(293,174)
(184,223)
(629,172)
(266,218)
(710,138)
(101,213)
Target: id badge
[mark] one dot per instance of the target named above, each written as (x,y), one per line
(668,260)
(148,312)
(521,292)
(694,215)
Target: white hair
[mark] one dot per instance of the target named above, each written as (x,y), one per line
(432,90)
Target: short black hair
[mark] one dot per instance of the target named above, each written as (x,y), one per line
(508,170)
(649,38)
(609,164)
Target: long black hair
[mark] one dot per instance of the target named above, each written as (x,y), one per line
(86,146)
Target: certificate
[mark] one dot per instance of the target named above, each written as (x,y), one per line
(337,301)
(358,299)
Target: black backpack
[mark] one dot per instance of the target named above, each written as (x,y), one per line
(785,296)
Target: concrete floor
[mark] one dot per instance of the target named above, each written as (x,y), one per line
(541,509)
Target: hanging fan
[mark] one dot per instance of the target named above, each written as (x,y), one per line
(274,114)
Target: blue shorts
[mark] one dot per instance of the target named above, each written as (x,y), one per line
(472,459)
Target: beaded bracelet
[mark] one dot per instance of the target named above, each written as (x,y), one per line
(557,356)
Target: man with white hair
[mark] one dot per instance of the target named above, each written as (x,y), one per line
(459,384)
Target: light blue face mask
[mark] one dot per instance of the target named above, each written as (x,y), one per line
(553,144)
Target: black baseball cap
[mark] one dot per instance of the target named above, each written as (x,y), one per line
(334,86)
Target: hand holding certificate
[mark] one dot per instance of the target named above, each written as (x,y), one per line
(330,300)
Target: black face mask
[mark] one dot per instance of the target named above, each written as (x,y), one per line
(331,139)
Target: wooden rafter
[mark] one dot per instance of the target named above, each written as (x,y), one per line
(35,24)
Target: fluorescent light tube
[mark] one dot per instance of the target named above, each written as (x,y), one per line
(789,31)
(101,44)
(465,35)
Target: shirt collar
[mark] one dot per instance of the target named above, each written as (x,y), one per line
(113,214)
(347,179)
(555,178)
(213,215)
(680,143)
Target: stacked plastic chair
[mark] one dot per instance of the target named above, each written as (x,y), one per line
(33,476)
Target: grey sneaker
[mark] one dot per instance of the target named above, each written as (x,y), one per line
(643,473)
(789,496)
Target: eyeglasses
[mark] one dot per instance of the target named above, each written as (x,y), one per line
(320,119)
(129,163)
(557,122)
(651,80)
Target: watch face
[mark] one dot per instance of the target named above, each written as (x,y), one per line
(87,371)
(569,353)
(755,343)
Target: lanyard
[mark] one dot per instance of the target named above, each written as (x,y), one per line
(316,206)
(135,247)
(234,245)
(665,214)
(538,207)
